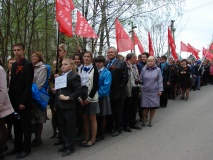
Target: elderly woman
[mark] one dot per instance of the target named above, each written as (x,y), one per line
(151,89)
(40,76)
(5,110)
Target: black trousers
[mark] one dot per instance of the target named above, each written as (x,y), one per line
(164,98)
(130,107)
(67,122)
(3,135)
(117,114)
(22,130)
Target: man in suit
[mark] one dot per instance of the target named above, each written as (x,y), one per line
(119,73)
(20,92)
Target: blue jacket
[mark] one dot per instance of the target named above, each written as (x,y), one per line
(105,79)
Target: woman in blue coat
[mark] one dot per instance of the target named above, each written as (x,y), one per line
(105,79)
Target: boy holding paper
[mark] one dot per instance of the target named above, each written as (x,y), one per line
(66,106)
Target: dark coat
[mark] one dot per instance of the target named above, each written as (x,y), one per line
(173,71)
(166,75)
(20,89)
(72,90)
(119,73)
(140,66)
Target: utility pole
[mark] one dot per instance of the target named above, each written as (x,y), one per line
(173,34)
(132,34)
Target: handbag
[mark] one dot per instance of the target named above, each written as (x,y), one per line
(44,95)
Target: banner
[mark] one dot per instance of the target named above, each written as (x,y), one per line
(124,42)
(64,17)
(83,28)
(172,45)
(194,51)
(183,47)
(137,41)
(151,50)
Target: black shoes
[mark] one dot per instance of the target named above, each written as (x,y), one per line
(99,138)
(143,124)
(181,98)
(58,143)
(12,152)
(116,133)
(127,129)
(67,152)
(36,142)
(163,106)
(62,149)
(22,155)
(135,127)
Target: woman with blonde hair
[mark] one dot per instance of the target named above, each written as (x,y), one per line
(152,88)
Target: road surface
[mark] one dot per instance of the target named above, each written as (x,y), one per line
(182,131)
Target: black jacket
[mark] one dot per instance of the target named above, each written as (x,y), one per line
(20,89)
(72,90)
(119,73)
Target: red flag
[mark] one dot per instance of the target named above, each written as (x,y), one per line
(124,42)
(172,45)
(183,47)
(83,28)
(194,51)
(64,17)
(151,50)
(207,54)
(137,41)
(211,47)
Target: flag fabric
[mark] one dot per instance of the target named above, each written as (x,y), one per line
(83,28)
(151,50)
(172,45)
(194,51)
(124,42)
(211,47)
(207,54)
(64,17)
(137,41)
(183,47)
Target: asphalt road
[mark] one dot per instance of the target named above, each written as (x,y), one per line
(182,131)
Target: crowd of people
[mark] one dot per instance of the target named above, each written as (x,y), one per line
(101,95)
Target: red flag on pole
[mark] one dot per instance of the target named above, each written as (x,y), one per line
(124,42)
(83,28)
(172,45)
(64,17)
(151,50)
(183,47)
(137,41)
(194,51)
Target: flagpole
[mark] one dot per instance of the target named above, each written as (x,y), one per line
(57,55)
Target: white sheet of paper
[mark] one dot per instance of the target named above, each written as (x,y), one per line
(61,82)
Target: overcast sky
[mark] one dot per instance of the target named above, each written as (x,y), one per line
(198,22)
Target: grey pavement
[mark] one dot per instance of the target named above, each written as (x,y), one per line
(182,131)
